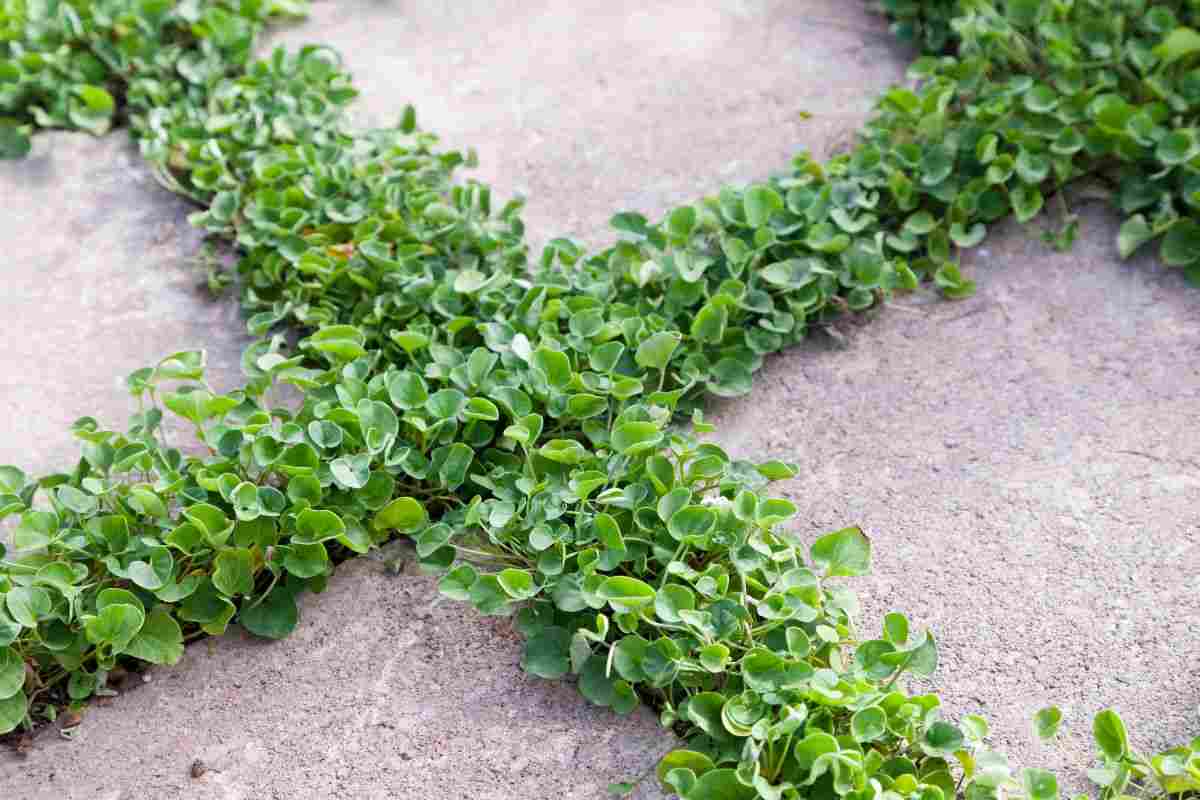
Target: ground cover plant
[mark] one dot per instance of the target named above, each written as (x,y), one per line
(526,421)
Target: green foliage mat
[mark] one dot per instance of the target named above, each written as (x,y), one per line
(514,417)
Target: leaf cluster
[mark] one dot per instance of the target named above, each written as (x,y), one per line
(517,419)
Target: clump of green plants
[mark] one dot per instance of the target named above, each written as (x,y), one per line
(523,422)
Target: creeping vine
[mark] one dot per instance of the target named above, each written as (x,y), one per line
(523,421)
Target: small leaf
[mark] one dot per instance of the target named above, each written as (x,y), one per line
(1046,722)
(12,672)
(1108,729)
(114,625)
(272,617)
(846,552)
(313,526)
(1134,233)
(1179,43)
(626,594)
(517,584)
(1040,784)
(698,763)
(547,653)
(554,365)
(942,738)
(160,641)
(403,514)
(868,724)
(655,351)
(760,202)
(1181,245)
(12,711)
(636,437)
(233,572)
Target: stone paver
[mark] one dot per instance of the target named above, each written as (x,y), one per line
(1027,464)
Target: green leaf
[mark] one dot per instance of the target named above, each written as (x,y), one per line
(759,203)
(27,605)
(709,324)
(868,724)
(160,641)
(1181,245)
(12,672)
(404,514)
(774,510)
(305,560)
(936,164)
(456,584)
(12,711)
(14,142)
(564,451)
(586,406)
(636,437)
(1041,99)
(233,572)
(655,352)
(671,599)
(846,552)
(547,653)
(691,522)
(114,625)
(714,657)
(625,594)
(1134,233)
(274,616)
(517,583)
(1027,202)
(1040,784)
(942,738)
(92,109)
(682,221)
(80,502)
(469,281)
(1046,722)
(730,377)
(1178,147)
(1108,729)
(554,365)
(481,408)
(454,461)
(338,342)
(698,763)
(313,526)
(1179,43)
(721,784)
(407,391)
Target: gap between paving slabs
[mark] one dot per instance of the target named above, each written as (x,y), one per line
(952,284)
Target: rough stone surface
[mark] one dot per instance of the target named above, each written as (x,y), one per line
(1027,465)
(385,690)
(99,281)
(589,108)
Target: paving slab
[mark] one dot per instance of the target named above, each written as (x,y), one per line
(589,108)
(384,691)
(1027,465)
(99,280)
